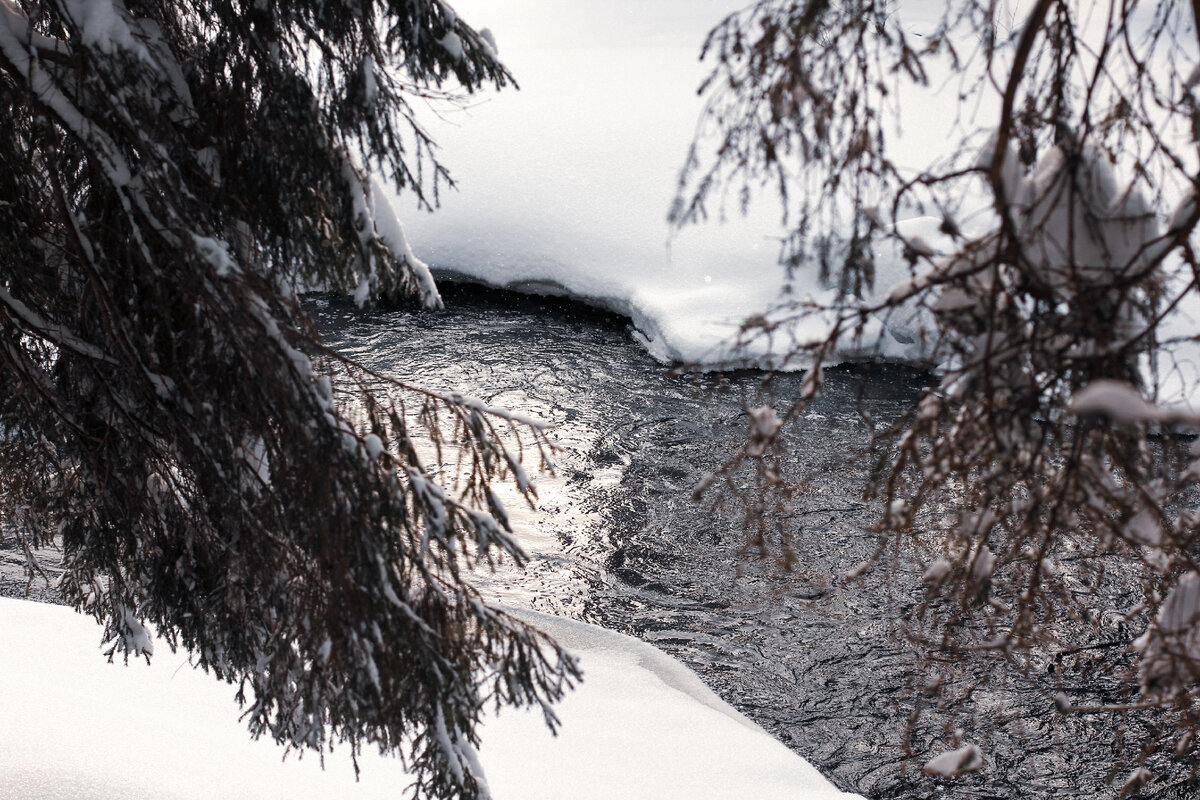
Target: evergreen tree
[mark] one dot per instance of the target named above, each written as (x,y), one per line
(170,175)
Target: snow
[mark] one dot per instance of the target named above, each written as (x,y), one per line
(985,564)
(1144,528)
(14,38)
(52,332)
(374,446)
(937,571)
(215,252)
(391,232)
(1105,231)
(256,461)
(1193,78)
(1182,606)
(921,247)
(764,426)
(453,45)
(1138,778)
(490,40)
(102,26)
(641,726)
(1119,401)
(564,186)
(967,758)
(135,639)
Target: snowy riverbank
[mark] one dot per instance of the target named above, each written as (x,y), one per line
(641,726)
(564,186)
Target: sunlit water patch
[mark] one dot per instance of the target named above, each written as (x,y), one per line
(617,540)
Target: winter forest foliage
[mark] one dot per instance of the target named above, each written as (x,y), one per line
(1044,485)
(171,174)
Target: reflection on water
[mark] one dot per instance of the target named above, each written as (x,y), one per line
(569,367)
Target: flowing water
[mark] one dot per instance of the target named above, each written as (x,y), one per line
(617,540)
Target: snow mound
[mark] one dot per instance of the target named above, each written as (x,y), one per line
(564,186)
(641,726)
(951,764)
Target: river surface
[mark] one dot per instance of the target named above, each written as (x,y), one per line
(617,540)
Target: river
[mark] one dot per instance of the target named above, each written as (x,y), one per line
(617,540)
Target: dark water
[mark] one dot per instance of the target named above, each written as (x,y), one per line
(619,541)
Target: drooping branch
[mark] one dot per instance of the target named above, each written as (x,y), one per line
(170,181)
(1016,77)
(1039,460)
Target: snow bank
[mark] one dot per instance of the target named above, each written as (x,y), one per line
(565,185)
(641,726)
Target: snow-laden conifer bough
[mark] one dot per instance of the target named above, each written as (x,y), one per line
(170,175)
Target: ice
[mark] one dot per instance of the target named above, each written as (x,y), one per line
(641,727)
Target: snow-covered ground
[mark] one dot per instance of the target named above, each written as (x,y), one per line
(565,185)
(641,726)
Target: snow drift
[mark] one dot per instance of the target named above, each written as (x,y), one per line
(640,726)
(565,185)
